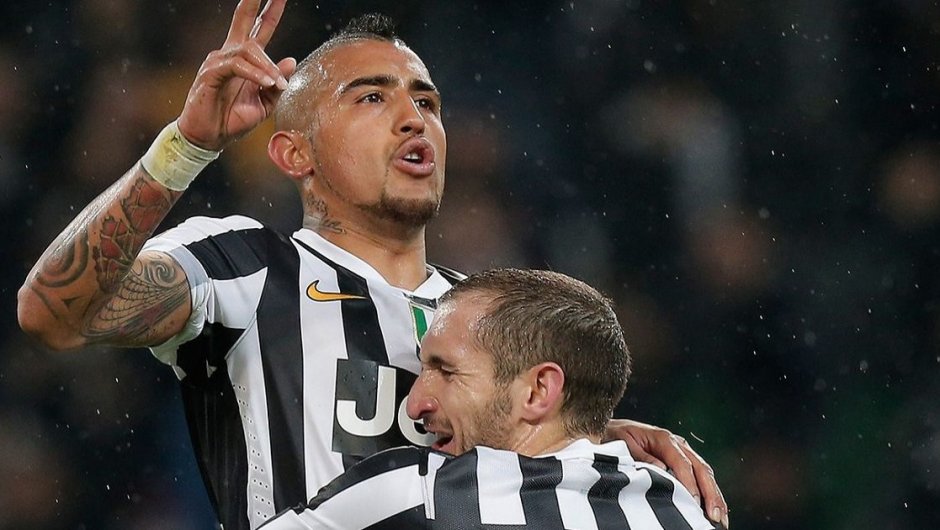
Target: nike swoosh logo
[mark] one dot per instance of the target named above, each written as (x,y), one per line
(315,294)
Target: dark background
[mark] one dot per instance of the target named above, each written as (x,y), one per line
(756,184)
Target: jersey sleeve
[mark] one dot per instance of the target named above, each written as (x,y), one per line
(207,249)
(385,490)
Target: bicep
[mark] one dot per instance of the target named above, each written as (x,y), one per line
(152,304)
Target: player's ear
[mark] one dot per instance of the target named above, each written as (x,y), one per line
(291,153)
(544,387)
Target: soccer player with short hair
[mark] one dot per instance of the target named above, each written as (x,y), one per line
(294,351)
(520,373)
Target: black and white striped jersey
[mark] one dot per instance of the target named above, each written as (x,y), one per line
(295,363)
(584,486)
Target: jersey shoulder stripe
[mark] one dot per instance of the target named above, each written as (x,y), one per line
(456,493)
(604,494)
(540,478)
(238,253)
(660,498)
(200,227)
(383,462)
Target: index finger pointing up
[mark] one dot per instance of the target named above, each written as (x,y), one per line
(242,21)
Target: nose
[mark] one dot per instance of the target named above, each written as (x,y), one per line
(410,120)
(420,401)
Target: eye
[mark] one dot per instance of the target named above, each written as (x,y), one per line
(371,97)
(426,103)
(434,367)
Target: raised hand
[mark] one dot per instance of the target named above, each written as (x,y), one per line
(237,85)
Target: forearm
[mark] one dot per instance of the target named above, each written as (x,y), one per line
(90,286)
(73,282)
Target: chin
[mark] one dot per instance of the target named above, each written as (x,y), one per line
(409,212)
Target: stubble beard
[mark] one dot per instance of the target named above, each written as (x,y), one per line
(413,213)
(491,423)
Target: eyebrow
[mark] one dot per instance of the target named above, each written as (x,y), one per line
(420,85)
(417,85)
(431,359)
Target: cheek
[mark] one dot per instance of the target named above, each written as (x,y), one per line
(352,135)
(440,137)
(345,145)
(350,161)
(467,402)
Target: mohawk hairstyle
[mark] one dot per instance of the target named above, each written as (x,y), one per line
(369,25)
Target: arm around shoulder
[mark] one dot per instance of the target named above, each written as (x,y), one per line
(658,446)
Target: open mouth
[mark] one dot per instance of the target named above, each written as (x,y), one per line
(442,442)
(415,157)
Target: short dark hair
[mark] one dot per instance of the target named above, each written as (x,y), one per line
(368,26)
(535,316)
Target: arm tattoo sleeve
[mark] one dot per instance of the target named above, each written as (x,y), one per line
(85,279)
(122,237)
(154,289)
(66,264)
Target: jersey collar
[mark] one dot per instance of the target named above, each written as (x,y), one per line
(432,288)
(584,448)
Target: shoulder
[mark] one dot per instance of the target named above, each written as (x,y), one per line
(472,461)
(668,496)
(390,459)
(378,464)
(383,491)
(226,247)
(208,226)
(196,229)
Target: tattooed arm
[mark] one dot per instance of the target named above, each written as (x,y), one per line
(92,287)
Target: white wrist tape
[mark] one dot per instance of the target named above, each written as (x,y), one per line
(174,161)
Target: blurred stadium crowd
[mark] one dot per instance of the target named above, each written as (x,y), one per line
(756,185)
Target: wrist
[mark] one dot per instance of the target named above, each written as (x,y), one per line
(174,161)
